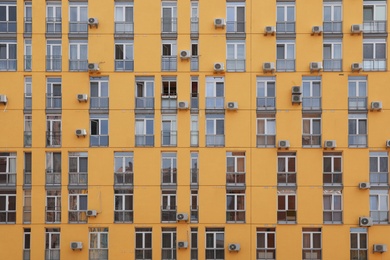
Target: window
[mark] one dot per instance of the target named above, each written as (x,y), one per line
(53,55)
(285,17)
(374,17)
(235,20)
(168,206)
(8,169)
(99,130)
(53,168)
(235,56)
(27,169)
(8,207)
(123,171)
(53,130)
(168,169)
(332,169)
(7,18)
(215,130)
(169,57)
(266,132)
(27,55)
(26,206)
(194,16)
(168,247)
(144,93)
(379,206)
(235,206)
(53,93)
(194,207)
(379,168)
(78,18)
(123,212)
(143,243)
(53,206)
(357,93)
(124,55)
(144,130)
(78,205)
(311,130)
(265,99)
(194,55)
(53,244)
(332,17)
(98,243)
(194,93)
(78,55)
(311,244)
(78,169)
(7,55)
(332,55)
(285,55)
(359,243)
(27,130)
(124,21)
(235,169)
(194,131)
(169,130)
(215,244)
(194,168)
(357,130)
(194,243)
(215,93)
(287,169)
(27,17)
(26,243)
(53,19)
(99,93)
(266,244)
(169,93)
(287,212)
(27,93)
(333,209)
(374,54)
(311,98)
(169,17)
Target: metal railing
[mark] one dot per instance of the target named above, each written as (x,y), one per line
(78,178)
(265,103)
(194,175)
(237,65)
(124,65)
(285,65)
(194,24)
(144,140)
(124,27)
(123,216)
(168,138)
(311,140)
(168,25)
(235,26)
(168,214)
(53,214)
(215,140)
(27,62)
(78,65)
(169,101)
(26,177)
(144,102)
(332,26)
(357,140)
(99,140)
(53,138)
(194,211)
(215,102)
(194,138)
(375,26)
(7,26)
(53,102)
(27,24)
(78,27)
(357,103)
(7,64)
(123,178)
(27,138)
(311,103)
(53,62)
(374,64)
(77,216)
(53,177)
(333,64)
(285,27)
(194,63)
(235,178)
(380,217)
(168,63)
(265,140)
(287,178)
(99,102)
(53,25)
(168,177)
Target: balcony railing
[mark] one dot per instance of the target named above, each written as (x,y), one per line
(27,62)
(311,103)
(168,253)
(78,27)
(53,102)
(374,64)
(168,63)
(168,177)
(53,138)
(27,24)
(379,178)
(194,101)
(287,178)
(142,253)
(123,216)
(28,102)
(124,178)
(265,140)
(194,24)
(124,28)
(333,216)
(215,140)
(99,140)
(287,215)
(168,138)
(98,254)
(357,140)
(333,64)
(380,217)
(27,178)
(7,179)
(235,179)
(168,25)
(7,216)
(52,254)
(144,102)
(357,103)
(285,27)
(266,254)
(26,214)
(169,101)
(144,140)
(194,141)
(235,65)
(53,25)
(53,178)
(27,138)
(78,178)
(215,102)
(7,26)
(311,140)
(168,214)
(312,254)
(194,174)
(235,26)
(77,216)
(285,65)
(235,215)
(99,102)
(7,64)
(26,254)
(78,65)
(53,214)
(53,62)
(194,214)
(333,27)
(375,26)
(194,63)
(265,103)
(331,178)
(124,65)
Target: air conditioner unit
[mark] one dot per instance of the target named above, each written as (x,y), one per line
(315,66)
(185,54)
(380,248)
(82,97)
(91,213)
(181,216)
(296,90)
(296,99)
(93,67)
(356,28)
(232,105)
(330,144)
(316,29)
(76,245)
(388,143)
(270,30)
(365,221)
(268,66)
(234,247)
(182,105)
(93,21)
(219,66)
(3,99)
(364,185)
(219,22)
(81,132)
(283,144)
(356,66)
(376,105)
(182,244)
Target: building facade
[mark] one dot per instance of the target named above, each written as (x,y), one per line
(235,129)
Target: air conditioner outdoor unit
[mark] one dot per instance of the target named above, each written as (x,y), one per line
(182,105)
(376,105)
(81,132)
(3,99)
(296,99)
(91,213)
(380,248)
(93,67)
(364,185)
(234,247)
(268,66)
(219,22)
(356,28)
(181,216)
(270,30)
(182,244)
(232,105)
(316,29)
(296,90)
(93,21)
(330,144)
(185,54)
(76,245)
(356,66)
(219,66)
(315,66)
(388,143)
(283,144)
(365,221)
(82,97)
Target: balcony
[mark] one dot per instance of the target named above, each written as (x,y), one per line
(357,103)
(77,216)
(357,140)
(194,27)
(52,254)
(124,29)
(53,214)
(215,103)
(235,216)
(285,65)
(78,65)
(27,178)
(215,140)
(77,27)
(99,102)
(333,64)
(374,65)
(332,178)
(144,140)
(168,138)
(235,65)
(285,27)
(380,217)
(53,138)
(194,141)
(7,26)
(124,65)
(53,62)
(194,101)
(374,26)
(311,140)
(121,216)
(98,254)
(379,178)
(53,102)
(235,179)
(7,64)
(194,211)
(124,178)
(311,103)
(168,63)
(27,138)
(168,177)
(53,26)
(27,25)
(194,63)
(8,216)
(98,140)
(7,179)
(169,101)
(265,103)
(144,103)
(168,214)
(332,27)
(53,178)
(78,179)
(235,27)
(287,178)
(27,62)
(264,140)
(285,216)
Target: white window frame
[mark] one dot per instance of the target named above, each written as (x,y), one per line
(333,194)
(57,205)
(143,232)
(265,253)
(309,95)
(357,118)
(7,211)
(285,6)
(332,171)
(381,198)
(128,195)
(172,241)
(375,176)
(285,208)
(374,62)
(211,93)
(269,123)
(311,248)
(50,233)
(121,8)
(311,134)
(358,232)
(332,7)
(215,245)
(235,196)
